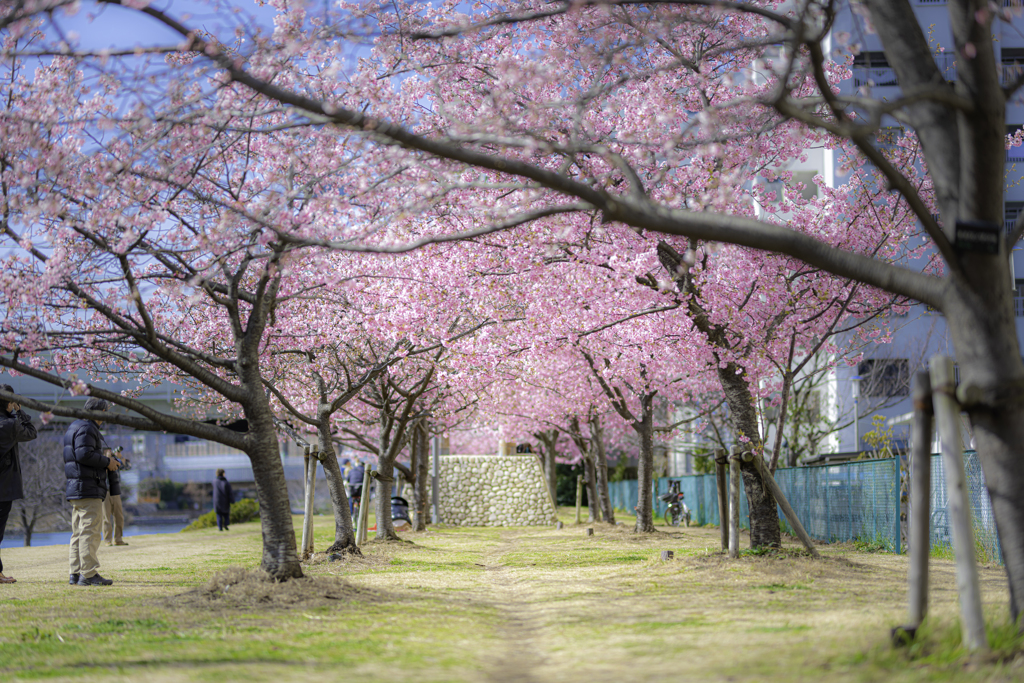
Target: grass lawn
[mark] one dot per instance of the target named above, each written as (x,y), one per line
(531,604)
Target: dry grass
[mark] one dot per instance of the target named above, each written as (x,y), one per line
(536,605)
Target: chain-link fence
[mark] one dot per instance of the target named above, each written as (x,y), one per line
(856,501)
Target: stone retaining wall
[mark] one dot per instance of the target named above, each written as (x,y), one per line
(492,490)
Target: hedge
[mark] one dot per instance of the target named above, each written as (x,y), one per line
(242,511)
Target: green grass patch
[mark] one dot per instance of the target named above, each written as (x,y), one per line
(462,604)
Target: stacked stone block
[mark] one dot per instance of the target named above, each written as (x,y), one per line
(492,490)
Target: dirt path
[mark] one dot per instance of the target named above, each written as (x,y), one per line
(521,657)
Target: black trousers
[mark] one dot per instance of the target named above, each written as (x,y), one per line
(222,521)
(5,512)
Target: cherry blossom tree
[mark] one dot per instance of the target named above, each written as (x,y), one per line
(625,111)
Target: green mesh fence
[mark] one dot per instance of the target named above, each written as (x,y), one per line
(857,501)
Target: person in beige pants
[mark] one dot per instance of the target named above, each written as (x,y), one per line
(86,467)
(113,513)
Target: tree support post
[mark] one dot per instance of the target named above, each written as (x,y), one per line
(579,496)
(435,454)
(734,503)
(947,416)
(311,460)
(364,508)
(780,498)
(920,503)
(723,496)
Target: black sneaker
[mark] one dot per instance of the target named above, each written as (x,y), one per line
(73,581)
(94,580)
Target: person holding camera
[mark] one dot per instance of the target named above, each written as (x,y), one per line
(15,428)
(86,467)
(113,512)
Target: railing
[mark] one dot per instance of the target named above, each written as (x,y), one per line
(853,501)
(874,77)
(1010,72)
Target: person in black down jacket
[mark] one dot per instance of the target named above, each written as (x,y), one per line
(15,428)
(86,468)
(222,498)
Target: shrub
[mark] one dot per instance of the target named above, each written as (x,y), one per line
(242,511)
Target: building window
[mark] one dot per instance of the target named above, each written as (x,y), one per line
(872,68)
(1011,212)
(1011,63)
(884,378)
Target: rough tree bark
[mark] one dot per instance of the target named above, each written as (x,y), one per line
(590,481)
(385,481)
(645,466)
(344,529)
(764,514)
(601,460)
(548,440)
(643,425)
(280,554)
(421,467)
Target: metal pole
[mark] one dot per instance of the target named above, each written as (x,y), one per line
(920,493)
(947,415)
(856,413)
(435,454)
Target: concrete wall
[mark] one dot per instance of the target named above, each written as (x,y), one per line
(493,490)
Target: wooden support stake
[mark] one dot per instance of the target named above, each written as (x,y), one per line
(723,497)
(579,496)
(667,554)
(787,509)
(558,525)
(364,509)
(590,532)
(920,504)
(307,509)
(734,505)
(947,415)
(307,518)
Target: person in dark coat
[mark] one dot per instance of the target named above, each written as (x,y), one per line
(222,499)
(86,469)
(15,428)
(355,484)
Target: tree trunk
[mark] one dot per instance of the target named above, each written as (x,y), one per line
(548,440)
(645,467)
(421,466)
(386,470)
(984,336)
(764,512)
(26,524)
(590,481)
(601,460)
(344,529)
(280,555)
